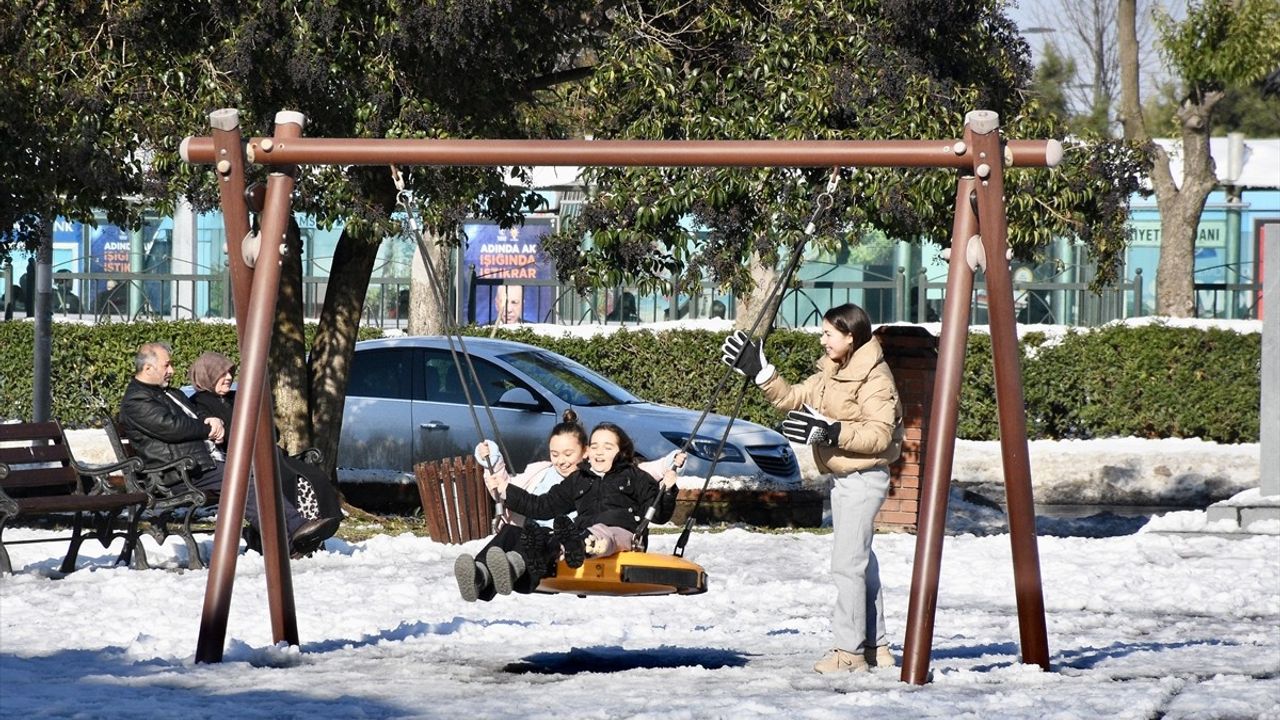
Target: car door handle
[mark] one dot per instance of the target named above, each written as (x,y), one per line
(434,425)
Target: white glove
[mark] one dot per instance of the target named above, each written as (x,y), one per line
(488,455)
(810,427)
(746,357)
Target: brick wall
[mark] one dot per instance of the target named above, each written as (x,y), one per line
(912,354)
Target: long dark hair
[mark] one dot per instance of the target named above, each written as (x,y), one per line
(852,320)
(570,425)
(626,448)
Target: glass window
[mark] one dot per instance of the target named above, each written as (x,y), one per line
(570,382)
(442,385)
(381,373)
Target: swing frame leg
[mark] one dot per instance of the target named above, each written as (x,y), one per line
(979,238)
(252,425)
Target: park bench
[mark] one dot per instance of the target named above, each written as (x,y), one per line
(39,478)
(173,503)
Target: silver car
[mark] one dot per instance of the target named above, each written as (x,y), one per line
(405,404)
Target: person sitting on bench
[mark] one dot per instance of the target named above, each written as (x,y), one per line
(163,426)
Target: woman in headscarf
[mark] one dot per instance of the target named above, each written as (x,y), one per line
(305,485)
(211,374)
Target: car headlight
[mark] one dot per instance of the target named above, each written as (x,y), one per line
(705,447)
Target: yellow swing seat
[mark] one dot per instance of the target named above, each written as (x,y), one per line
(628,573)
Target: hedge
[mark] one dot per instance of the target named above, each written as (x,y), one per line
(1147,381)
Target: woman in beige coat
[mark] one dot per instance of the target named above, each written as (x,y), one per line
(849,412)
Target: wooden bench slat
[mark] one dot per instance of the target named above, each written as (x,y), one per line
(50,431)
(71,503)
(35,454)
(51,477)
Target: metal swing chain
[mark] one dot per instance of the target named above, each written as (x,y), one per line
(406,200)
(822,203)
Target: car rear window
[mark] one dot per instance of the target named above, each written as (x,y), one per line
(381,373)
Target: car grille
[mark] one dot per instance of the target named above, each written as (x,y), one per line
(777,460)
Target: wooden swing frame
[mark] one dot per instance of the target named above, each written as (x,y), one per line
(979,240)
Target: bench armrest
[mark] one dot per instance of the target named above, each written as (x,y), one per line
(99,474)
(158,482)
(8,507)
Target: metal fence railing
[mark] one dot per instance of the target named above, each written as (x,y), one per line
(117,296)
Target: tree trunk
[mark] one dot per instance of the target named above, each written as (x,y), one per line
(335,339)
(288,359)
(752,304)
(1181,207)
(1180,204)
(427,313)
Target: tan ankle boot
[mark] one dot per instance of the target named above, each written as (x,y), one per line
(879,657)
(838,661)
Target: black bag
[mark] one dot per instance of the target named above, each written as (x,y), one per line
(306,485)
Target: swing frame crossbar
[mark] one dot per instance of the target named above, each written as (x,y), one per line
(979,240)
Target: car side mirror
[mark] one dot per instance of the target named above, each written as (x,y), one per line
(519,399)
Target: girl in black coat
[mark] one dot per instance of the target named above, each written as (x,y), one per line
(610,495)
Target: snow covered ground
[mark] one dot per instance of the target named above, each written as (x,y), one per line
(1141,625)
(1166,617)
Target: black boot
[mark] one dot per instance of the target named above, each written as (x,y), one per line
(571,542)
(536,543)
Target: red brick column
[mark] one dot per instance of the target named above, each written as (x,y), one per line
(912,354)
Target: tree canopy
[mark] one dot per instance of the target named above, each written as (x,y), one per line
(97,97)
(798,69)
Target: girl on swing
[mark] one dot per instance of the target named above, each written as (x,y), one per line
(595,503)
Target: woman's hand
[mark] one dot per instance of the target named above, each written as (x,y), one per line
(488,455)
(668,479)
(497,483)
(217,430)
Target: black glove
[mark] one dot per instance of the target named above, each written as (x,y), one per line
(808,427)
(745,355)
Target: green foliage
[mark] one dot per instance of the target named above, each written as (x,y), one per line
(1149,381)
(1248,110)
(799,69)
(92,364)
(1222,43)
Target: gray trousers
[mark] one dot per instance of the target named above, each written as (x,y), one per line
(858,619)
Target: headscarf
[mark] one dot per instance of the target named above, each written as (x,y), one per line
(207,368)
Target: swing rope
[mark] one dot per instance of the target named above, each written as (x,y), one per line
(405,198)
(822,203)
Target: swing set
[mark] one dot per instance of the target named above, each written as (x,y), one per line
(978,241)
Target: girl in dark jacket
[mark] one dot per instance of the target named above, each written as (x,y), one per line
(608,492)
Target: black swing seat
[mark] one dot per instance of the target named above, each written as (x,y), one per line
(628,573)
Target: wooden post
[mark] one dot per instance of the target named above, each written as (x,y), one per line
(911,352)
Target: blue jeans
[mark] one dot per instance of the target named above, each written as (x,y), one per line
(858,619)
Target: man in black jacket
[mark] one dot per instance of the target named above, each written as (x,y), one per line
(164,426)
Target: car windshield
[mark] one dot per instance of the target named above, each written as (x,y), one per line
(570,382)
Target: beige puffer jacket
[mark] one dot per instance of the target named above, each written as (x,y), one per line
(862,397)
